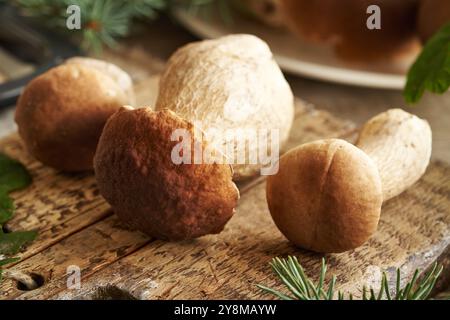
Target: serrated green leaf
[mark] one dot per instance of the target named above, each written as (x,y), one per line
(8,261)
(13,174)
(6,207)
(11,243)
(431,71)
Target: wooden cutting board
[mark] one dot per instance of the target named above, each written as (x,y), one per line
(77,228)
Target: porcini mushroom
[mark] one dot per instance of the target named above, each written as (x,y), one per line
(61,114)
(230,84)
(327,195)
(147,189)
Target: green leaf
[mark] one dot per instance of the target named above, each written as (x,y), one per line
(6,207)
(291,273)
(11,243)
(13,174)
(431,71)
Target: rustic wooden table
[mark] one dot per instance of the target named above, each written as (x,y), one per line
(76,226)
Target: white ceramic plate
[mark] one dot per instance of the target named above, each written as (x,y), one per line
(297,57)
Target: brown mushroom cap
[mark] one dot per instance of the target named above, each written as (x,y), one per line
(137,176)
(229,84)
(61,114)
(326,196)
(343,24)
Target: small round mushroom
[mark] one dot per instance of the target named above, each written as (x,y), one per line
(61,114)
(326,196)
(147,189)
(230,84)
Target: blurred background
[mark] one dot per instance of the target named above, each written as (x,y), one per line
(330,57)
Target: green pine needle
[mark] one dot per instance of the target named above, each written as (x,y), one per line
(105,21)
(13,176)
(301,287)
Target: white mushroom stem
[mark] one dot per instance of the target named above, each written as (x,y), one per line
(400,145)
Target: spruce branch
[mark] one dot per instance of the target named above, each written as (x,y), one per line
(105,21)
(102,21)
(301,287)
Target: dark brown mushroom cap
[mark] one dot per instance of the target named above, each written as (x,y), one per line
(137,176)
(61,114)
(326,196)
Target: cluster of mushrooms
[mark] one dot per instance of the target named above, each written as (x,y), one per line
(326,196)
(405,24)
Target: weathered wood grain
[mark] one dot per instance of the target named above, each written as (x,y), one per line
(90,250)
(413,233)
(56,204)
